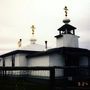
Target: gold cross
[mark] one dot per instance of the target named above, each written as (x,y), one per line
(33,29)
(66,9)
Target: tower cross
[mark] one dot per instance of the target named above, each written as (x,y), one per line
(33,39)
(66,9)
(33,29)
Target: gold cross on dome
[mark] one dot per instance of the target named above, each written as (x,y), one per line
(66,9)
(33,29)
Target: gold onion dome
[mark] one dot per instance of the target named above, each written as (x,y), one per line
(66,21)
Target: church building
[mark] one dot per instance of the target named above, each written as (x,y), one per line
(66,52)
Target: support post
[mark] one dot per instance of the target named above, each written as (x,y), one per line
(52,78)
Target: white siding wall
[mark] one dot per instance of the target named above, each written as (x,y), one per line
(39,61)
(20,60)
(17,60)
(57,60)
(1,62)
(8,61)
(67,40)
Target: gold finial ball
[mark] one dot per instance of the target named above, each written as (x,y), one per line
(66,21)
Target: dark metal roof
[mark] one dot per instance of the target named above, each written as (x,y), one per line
(64,51)
(18,51)
(57,36)
(61,50)
(67,27)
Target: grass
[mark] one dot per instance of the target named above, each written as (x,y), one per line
(21,84)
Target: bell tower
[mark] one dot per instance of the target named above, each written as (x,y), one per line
(66,37)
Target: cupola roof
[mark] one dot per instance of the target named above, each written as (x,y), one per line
(67,27)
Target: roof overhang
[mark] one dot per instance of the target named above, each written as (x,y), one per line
(63,51)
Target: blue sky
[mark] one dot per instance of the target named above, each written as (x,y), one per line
(17,16)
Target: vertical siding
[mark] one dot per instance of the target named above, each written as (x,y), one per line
(8,61)
(67,41)
(39,61)
(20,60)
(57,60)
(1,62)
(83,61)
(88,60)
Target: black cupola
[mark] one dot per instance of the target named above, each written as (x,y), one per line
(67,29)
